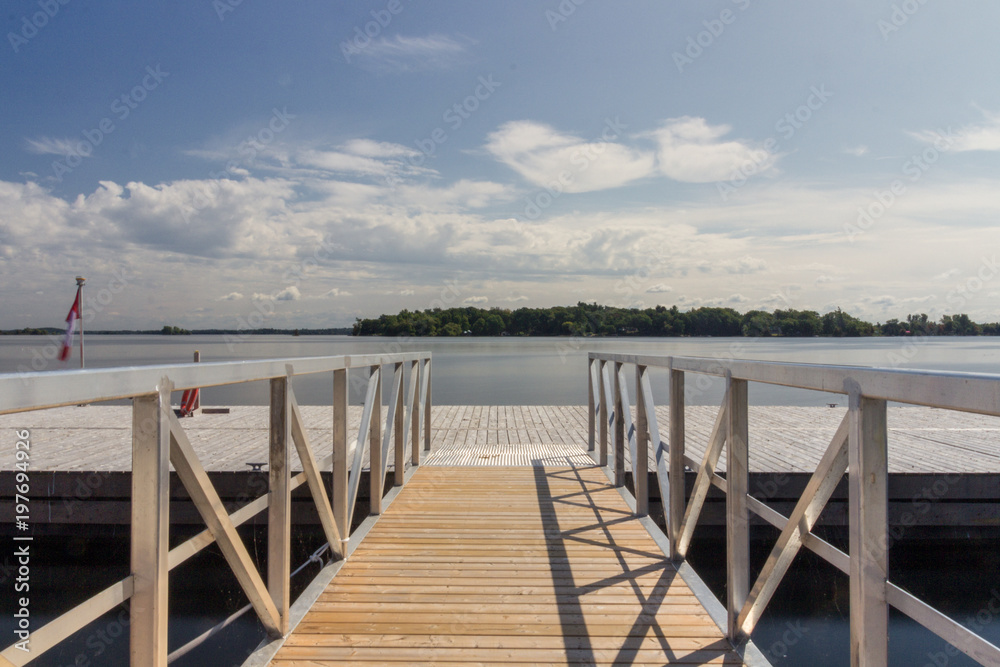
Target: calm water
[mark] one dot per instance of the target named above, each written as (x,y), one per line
(511,371)
(807,622)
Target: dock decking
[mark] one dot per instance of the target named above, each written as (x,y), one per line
(783,439)
(500,565)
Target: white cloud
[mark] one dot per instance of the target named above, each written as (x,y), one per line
(244,236)
(462,194)
(691,151)
(514,299)
(378,149)
(737,298)
(335,293)
(951,273)
(290,293)
(476,299)
(983,136)
(337,161)
(659,288)
(548,158)
(745,265)
(54,146)
(406,292)
(381,160)
(232,296)
(409,54)
(857,151)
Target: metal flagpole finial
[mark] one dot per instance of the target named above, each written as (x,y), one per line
(80,280)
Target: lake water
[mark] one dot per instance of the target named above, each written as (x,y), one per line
(511,371)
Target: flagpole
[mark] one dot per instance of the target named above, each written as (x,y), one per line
(80,280)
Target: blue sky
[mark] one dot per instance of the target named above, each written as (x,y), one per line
(307,163)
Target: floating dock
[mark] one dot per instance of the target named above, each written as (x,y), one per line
(944,466)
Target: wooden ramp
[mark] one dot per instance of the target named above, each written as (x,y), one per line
(518,565)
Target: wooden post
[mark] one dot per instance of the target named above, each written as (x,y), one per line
(197,399)
(427,405)
(675,509)
(279,512)
(640,464)
(619,409)
(737,513)
(868,498)
(338,494)
(591,406)
(416,413)
(150,528)
(375,448)
(398,429)
(603,452)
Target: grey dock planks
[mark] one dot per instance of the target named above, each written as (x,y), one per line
(782,438)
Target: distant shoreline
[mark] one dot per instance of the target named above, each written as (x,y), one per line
(52,331)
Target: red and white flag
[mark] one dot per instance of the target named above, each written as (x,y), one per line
(74,315)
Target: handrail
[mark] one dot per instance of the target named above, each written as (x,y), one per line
(50,389)
(159,441)
(858,448)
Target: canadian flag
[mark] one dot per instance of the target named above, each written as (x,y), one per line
(74,315)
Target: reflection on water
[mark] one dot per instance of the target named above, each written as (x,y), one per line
(514,371)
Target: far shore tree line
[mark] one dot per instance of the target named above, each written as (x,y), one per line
(591,319)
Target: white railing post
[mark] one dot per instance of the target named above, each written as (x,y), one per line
(619,409)
(150,528)
(640,464)
(737,513)
(675,503)
(279,504)
(427,404)
(602,459)
(399,429)
(416,413)
(375,477)
(868,498)
(591,406)
(339,491)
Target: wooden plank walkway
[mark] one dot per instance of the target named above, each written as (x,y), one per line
(494,565)
(783,439)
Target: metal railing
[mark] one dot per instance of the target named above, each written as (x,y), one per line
(159,440)
(859,448)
